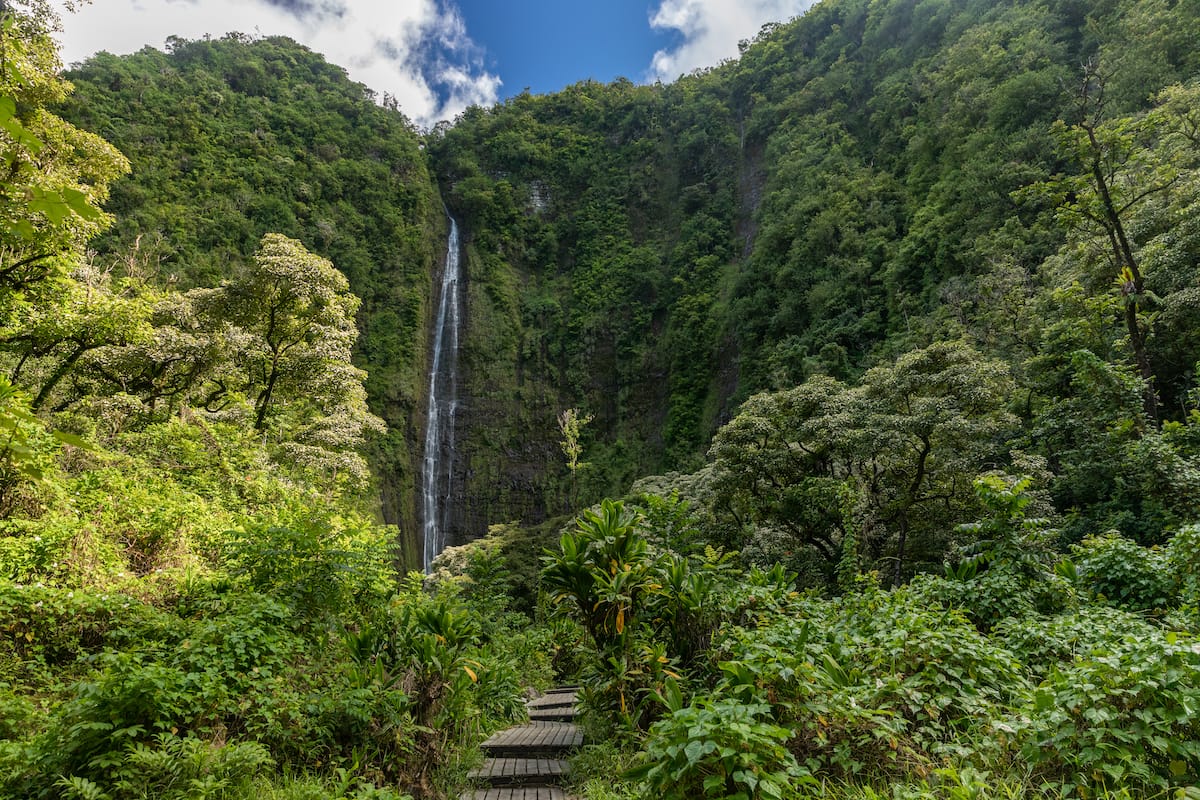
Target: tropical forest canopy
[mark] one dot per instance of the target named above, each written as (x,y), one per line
(830,415)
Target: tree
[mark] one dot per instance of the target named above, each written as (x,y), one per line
(570,424)
(90,310)
(782,458)
(297,314)
(1123,162)
(177,362)
(928,425)
(53,176)
(293,330)
(911,436)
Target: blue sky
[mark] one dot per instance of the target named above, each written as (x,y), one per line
(436,57)
(545,45)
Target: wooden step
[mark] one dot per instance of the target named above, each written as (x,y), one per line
(556,700)
(497,772)
(517,793)
(563,714)
(535,740)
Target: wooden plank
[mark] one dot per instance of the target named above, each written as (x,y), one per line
(520,772)
(557,700)
(552,714)
(523,762)
(536,739)
(517,793)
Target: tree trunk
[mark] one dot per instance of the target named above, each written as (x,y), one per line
(264,397)
(1132,290)
(59,373)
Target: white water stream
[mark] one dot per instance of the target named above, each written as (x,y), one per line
(443,403)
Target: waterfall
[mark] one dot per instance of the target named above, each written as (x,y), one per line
(443,403)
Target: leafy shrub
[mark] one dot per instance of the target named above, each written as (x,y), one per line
(37,551)
(880,682)
(56,627)
(514,654)
(1123,573)
(27,448)
(935,669)
(425,649)
(17,713)
(158,523)
(599,771)
(174,768)
(318,565)
(834,726)
(1044,643)
(603,569)
(1183,564)
(217,675)
(719,749)
(987,598)
(1003,569)
(130,700)
(602,574)
(1123,716)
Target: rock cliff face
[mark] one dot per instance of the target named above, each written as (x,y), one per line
(508,465)
(563,313)
(604,228)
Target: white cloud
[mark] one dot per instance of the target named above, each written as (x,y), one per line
(711,30)
(417,50)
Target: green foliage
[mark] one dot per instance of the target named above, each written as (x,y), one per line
(218,675)
(722,749)
(425,651)
(299,314)
(1122,717)
(652,619)
(1003,569)
(183,768)
(319,567)
(902,440)
(895,683)
(55,175)
(49,628)
(604,570)
(833,228)
(27,450)
(1007,537)
(598,768)
(270,138)
(1183,565)
(1120,572)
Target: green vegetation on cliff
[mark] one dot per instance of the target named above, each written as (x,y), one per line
(866,179)
(233,138)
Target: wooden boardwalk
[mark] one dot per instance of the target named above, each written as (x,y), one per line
(535,740)
(527,762)
(556,700)
(526,793)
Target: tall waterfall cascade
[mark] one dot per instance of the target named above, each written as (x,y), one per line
(443,404)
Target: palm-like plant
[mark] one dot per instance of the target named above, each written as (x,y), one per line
(603,571)
(604,567)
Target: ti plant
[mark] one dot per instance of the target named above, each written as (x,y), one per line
(604,573)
